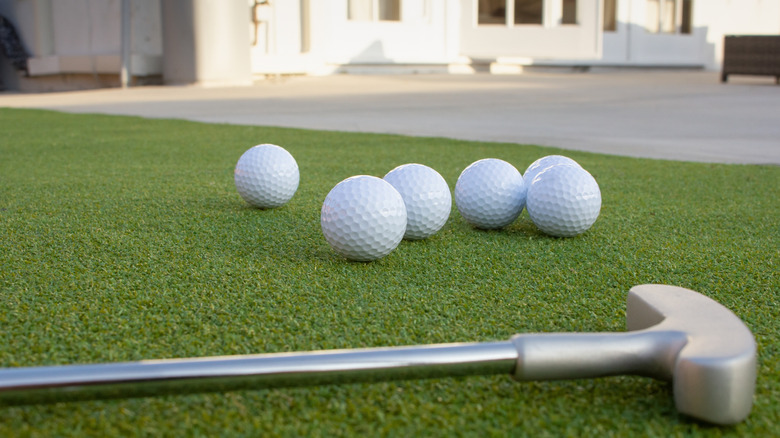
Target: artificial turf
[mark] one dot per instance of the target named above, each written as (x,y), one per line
(124,239)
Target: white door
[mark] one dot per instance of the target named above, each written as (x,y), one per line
(278,36)
(651,32)
(546,29)
(382,31)
(616,26)
(666,36)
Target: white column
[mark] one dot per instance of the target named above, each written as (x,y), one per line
(206,42)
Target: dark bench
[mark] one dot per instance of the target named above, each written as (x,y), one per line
(757,55)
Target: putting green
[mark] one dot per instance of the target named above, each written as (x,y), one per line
(124,239)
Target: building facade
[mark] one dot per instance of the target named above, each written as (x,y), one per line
(232,41)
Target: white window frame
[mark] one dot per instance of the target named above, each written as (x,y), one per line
(374,7)
(552,14)
(661,25)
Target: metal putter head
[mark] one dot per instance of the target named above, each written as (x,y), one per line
(675,334)
(714,374)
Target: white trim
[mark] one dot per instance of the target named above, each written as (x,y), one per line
(141,65)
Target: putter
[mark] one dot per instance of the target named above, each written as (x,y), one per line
(675,334)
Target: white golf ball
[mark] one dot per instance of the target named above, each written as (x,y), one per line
(544,163)
(490,193)
(363,218)
(266,176)
(426,196)
(564,200)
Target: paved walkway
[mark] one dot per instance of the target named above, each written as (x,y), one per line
(684,115)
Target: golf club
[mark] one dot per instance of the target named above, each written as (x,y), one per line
(675,334)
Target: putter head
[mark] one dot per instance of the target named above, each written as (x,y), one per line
(714,374)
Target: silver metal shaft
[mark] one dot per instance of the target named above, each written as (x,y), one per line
(178,376)
(525,357)
(675,334)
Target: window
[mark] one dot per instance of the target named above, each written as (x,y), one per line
(610,15)
(491,12)
(519,12)
(374,10)
(528,11)
(569,12)
(685,26)
(669,16)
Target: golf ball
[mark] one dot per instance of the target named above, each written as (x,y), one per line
(545,163)
(490,193)
(363,218)
(564,200)
(266,176)
(426,196)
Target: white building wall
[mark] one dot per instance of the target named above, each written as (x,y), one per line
(633,44)
(665,49)
(278,34)
(718,18)
(316,36)
(319,37)
(82,36)
(548,41)
(420,36)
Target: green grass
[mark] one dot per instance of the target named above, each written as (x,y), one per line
(124,239)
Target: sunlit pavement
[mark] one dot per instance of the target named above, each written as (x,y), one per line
(682,115)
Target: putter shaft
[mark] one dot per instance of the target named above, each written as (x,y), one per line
(674,334)
(178,376)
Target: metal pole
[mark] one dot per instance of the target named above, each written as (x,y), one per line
(180,376)
(124,74)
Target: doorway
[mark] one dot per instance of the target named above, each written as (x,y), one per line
(650,32)
(548,29)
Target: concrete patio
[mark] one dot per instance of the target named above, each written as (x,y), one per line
(681,115)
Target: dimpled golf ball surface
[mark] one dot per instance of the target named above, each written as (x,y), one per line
(490,193)
(564,200)
(363,218)
(266,176)
(426,196)
(543,164)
